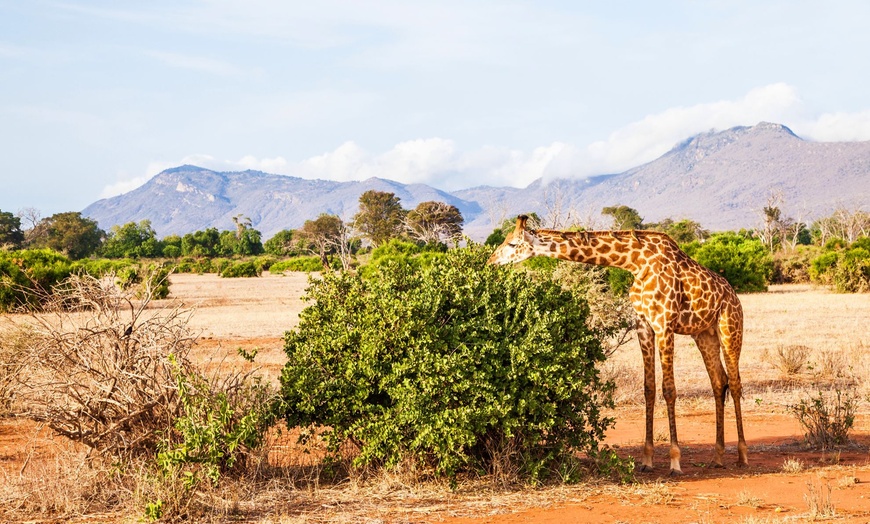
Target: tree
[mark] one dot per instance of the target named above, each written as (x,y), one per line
(201,243)
(283,244)
(69,233)
(10,231)
(682,232)
(433,222)
(132,240)
(325,234)
(624,217)
(380,216)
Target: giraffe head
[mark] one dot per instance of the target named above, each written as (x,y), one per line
(516,246)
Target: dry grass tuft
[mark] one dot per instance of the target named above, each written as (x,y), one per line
(818,499)
(792,465)
(790,359)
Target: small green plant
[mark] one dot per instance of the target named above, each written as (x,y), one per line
(154,510)
(826,419)
(220,425)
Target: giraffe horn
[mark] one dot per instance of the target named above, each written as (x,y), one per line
(521,222)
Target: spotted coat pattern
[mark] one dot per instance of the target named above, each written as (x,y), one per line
(672,295)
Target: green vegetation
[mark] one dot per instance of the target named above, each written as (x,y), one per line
(845,267)
(456,365)
(743,261)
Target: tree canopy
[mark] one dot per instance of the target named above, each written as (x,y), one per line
(380,216)
(69,233)
(624,217)
(432,222)
(11,234)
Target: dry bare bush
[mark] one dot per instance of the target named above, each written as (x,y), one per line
(100,369)
(789,359)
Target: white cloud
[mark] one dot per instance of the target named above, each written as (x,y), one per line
(835,127)
(647,139)
(441,163)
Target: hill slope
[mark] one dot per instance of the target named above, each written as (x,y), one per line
(720,179)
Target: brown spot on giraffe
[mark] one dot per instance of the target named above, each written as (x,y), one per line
(672,295)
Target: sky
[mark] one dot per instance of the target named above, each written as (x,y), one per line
(97,97)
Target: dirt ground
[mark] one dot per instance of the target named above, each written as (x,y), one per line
(782,483)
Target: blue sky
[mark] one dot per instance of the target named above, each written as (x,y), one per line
(98,96)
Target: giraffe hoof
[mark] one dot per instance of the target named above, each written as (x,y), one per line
(717,465)
(675,473)
(644,468)
(742,464)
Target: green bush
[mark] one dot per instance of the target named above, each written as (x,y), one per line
(241,269)
(27,274)
(458,365)
(847,269)
(198,265)
(101,266)
(744,262)
(306,264)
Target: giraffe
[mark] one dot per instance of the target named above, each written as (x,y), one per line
(671,294)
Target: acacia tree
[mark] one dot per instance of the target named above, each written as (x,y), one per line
(380,216)
(624,217)
(433,222)
(325,234)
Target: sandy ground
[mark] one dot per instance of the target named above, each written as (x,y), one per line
(254,313)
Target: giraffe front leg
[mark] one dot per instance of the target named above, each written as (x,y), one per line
(665,343)
(646,338)
(708,344)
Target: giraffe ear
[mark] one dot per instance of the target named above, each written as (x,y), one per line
(521,222)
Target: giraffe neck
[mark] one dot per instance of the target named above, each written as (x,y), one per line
(620,249)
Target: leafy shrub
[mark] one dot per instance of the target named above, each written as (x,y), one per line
(240,269)
(846,269)
(826,421)
(306,264)
(457,365)
(27,275)
(198,265)
(221,423)
(401,252)
(264,262)
(744,262)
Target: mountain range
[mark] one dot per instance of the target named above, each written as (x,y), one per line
(720,179)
